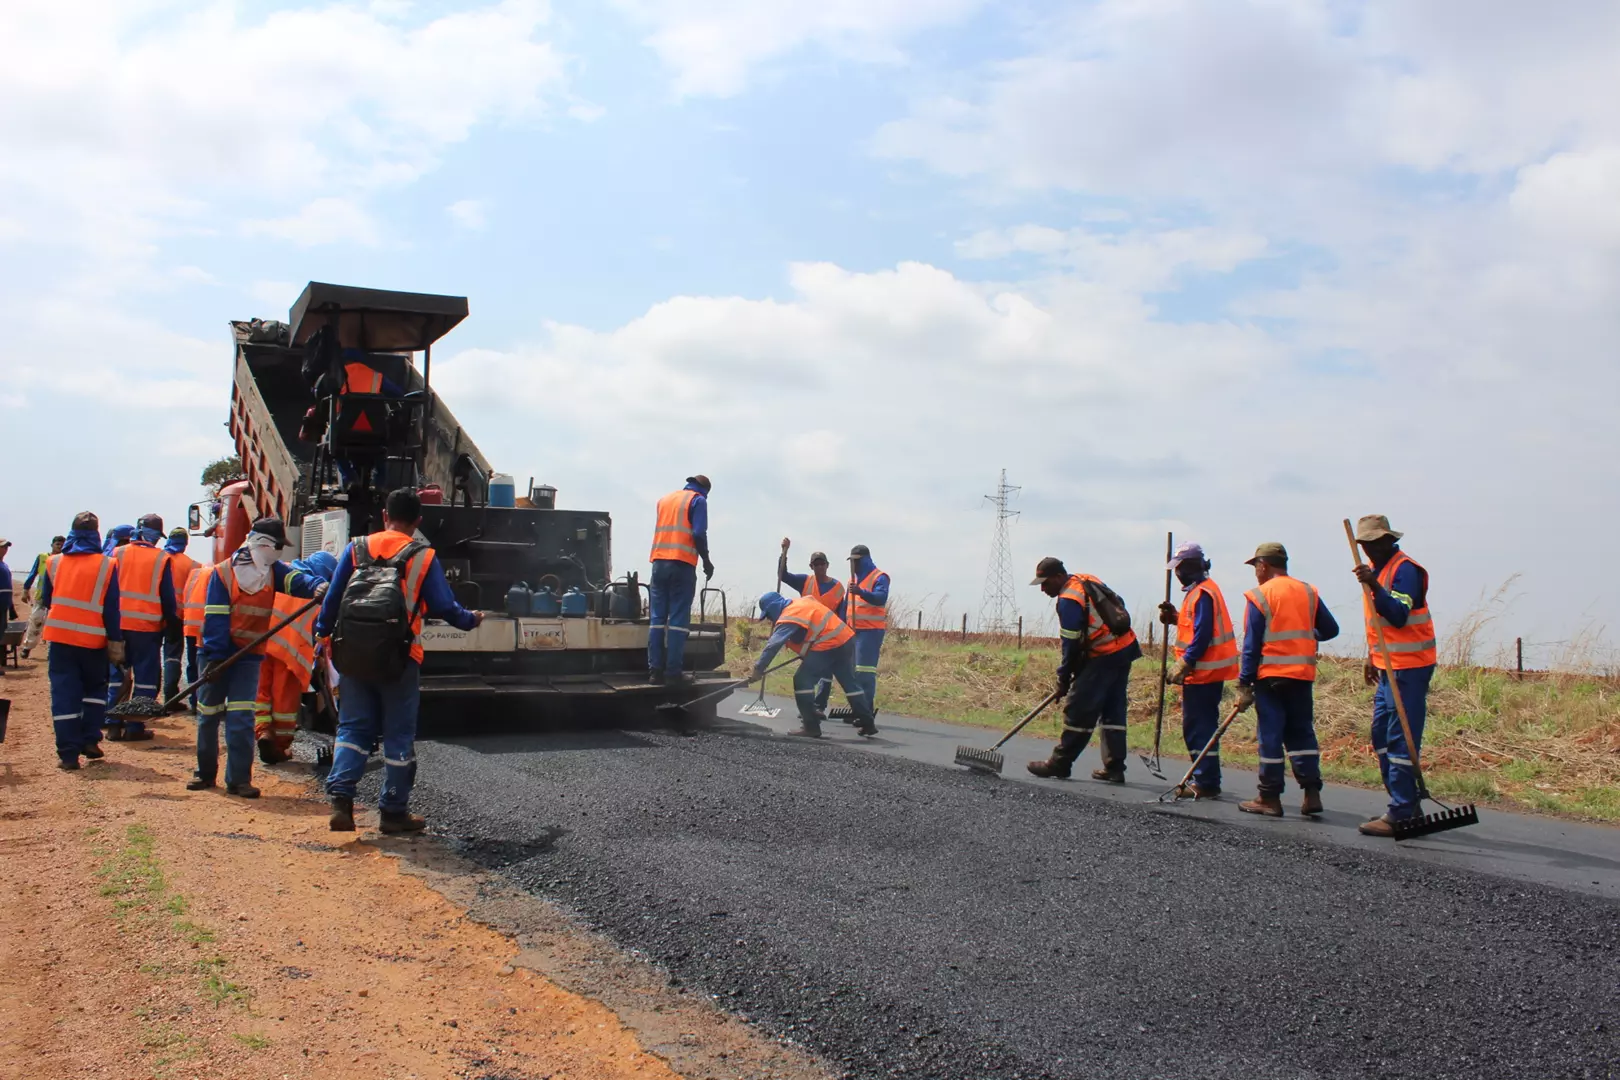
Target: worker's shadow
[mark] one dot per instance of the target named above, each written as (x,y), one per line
(107,769)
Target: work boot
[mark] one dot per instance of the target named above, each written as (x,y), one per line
(655,676)
(1111,776)
(197,783)
(269,752)
(342,819)
(1267,805)
(1378,826)
(1312,806)
(242,791)
(807,731)
(866,727)
(1197,792)
(679,678)
(93,751)
(115,733)
(1053,768)
(395,822)
(140,734)
(67,764)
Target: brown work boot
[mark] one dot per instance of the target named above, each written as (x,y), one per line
(1264,804)
(1109,776)
(1197,791)
(395,822)
(242,791)
(1378,826)
(1312,806)
(806,731)
(342,819)
(270,753)
(1053,768)
(93,751)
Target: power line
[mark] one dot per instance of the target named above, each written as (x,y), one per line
(998,613)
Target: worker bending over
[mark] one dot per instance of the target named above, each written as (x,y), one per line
(1399,603)
(1284,621)
(829,592)
(827,645)
(174,637)
(1095,672)
(80,597)
(680,542)
(146,606)
(239,608)
(1208,654)
(867,612)
(31,588)
(289,661)
(382,675)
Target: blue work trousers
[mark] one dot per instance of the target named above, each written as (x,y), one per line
(1285,722)
(1100,695)
(78,697)
(143,652)
(1394,756)
(179,656)
(228,699)
(1200,719)
(367,712)
(823,667)
(674,585)
(868,647)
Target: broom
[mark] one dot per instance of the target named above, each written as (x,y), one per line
(1422,824)
(990,761)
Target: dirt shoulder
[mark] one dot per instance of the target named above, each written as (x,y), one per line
(146,931)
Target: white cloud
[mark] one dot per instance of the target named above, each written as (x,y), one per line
(328,220)
(467,213)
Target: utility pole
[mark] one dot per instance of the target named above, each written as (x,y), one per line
(998,613)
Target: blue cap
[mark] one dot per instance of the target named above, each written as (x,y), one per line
(771,605)
(1190,550)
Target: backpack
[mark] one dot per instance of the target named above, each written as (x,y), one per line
(373,638)
(1110,608)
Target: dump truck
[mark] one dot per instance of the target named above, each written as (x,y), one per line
(564,642)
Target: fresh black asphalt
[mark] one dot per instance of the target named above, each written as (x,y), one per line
(903,919)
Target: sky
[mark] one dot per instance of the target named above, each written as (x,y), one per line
(1232,269)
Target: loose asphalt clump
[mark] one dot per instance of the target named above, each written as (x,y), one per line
(904,920)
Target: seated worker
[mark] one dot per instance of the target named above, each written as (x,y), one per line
(827,645)
(359,377)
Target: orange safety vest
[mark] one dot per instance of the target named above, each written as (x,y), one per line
(387,544)
(822,629)
(1220,660)
(359,378)
(1103,640)
(196,595)
(832,599)
(672,536)
(1289,648)
(865,615)
(250,612)
(78,596)
(140,576)
(294,644)
(180,567)
(1412,645)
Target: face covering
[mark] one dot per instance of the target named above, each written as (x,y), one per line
(253,572)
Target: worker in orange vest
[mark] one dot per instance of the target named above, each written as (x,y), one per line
(1400,605)
(680,542)
(1282,626)
(829,592)
(146,606)
(195,600)
(1208,654)
(174,638)
(1099,647)
(866,609)
(827,646)
(289,662)
(80,595)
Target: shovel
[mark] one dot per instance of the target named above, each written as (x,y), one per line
(1180,790)
(1152,763)
(146,708)
(670,707)
(1422,824)
(990,761)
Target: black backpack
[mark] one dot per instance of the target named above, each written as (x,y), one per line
(1110,608)
(373,638)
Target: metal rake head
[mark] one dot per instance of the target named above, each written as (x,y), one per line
(984,761)
(1424,824)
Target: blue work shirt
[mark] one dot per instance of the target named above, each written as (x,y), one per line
(216,641)
(697,516)
(1254,637)
(1410,587)
(1203,625)
(87,542)
(782,635)
(798,580)
(7,603)
(437,598)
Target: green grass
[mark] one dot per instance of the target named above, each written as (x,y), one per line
(251,1040)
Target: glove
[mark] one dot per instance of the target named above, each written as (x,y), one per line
(1064,681)
(115,652)
(211,670)
(708,568)
(1245,697)
(1179,676)
(1369,674)
(1168,615)
(320,589)
(757,673)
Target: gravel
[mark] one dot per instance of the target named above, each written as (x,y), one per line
(905,920)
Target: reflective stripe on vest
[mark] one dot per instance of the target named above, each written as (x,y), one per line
(1288,650)
(180,567)
(250,612)
(1412,645)
(822,629)
(78,600)
(865,615)
(672,534)
(361,378)
(385,545)
(832,599)
(1220,660)
(140,576)
(1103,640)
(294,644)
(196,595)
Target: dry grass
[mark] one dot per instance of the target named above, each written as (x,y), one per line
(1550,743)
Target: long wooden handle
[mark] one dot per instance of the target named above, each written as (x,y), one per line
(239,653)
(1032,714)
(1164,655)
(1213,739)
(1389,668)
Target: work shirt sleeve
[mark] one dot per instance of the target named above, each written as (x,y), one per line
(784,633)
(1072,630)
(1203,629)
(216,632)
(326,621)
(390,388)
(45,590)
(1327,627)
(109,611)
(878,594)
(1254,640)
(1407,591)
(698,515)
(795,581)
(6,601)
(168,601)
(440,599)
(293,582)
(33,575)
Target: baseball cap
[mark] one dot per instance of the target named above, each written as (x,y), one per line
(701,481)
(818,556)
(1190,550)
(860,551)
(1268,550)
(1375,527)
(1048,567)
(273,528)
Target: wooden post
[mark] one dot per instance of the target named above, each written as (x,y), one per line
(1518,648)
(919,618)
(1020,631)
(964,628)
(1150,637)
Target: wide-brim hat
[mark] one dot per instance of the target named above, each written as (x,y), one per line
(1268,550)
(1375,527)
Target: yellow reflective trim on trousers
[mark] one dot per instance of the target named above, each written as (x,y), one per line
(870,670)
(236,706)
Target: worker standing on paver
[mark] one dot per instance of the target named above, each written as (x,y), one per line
(377,703)
(827,645)
(146,606)
(80,596)
(289,661)
(1099,647)
(829,592)
(1282,626)
(1399,603)
(238,607)
(32,588)
(680,542)
(867,612)
(174,637)
(1208,661)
